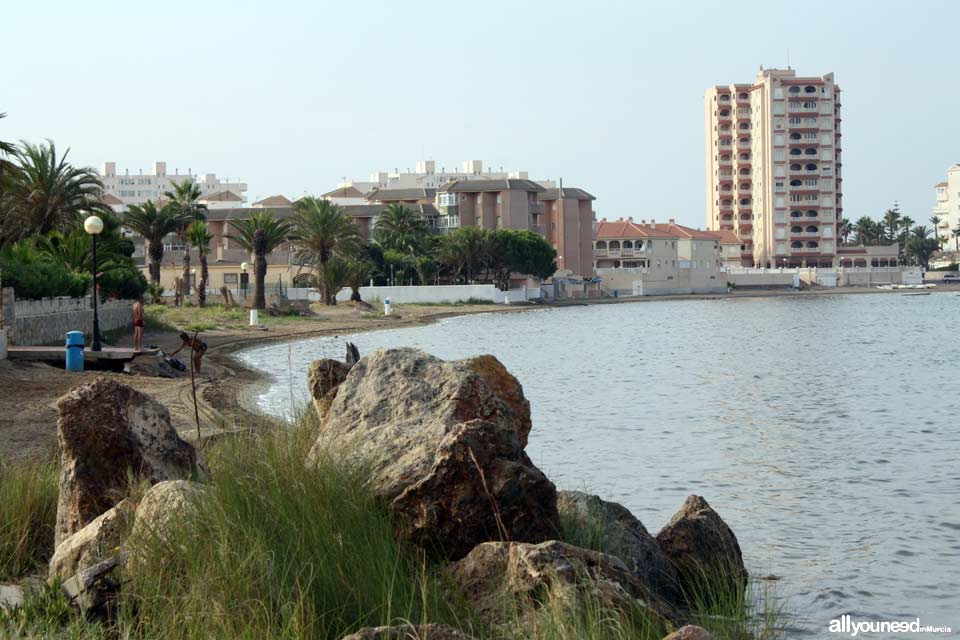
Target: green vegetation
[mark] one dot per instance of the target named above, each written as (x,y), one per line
(917,242)
(198,236)
(28,513)
(281,551)
(183,200)
(260,234)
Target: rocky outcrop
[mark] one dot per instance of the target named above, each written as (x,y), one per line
(690,632)
(703,549)
(619,533)
(325,376)
(108,432)
(409,632)
(96,542)
(495,573)
(163,507)
(442,449)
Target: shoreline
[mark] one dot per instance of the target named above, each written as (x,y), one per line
(227,387)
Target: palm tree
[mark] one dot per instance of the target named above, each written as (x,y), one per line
(333,275)
(400,228)
(74,251)
(935,221)
(6,148)
(184,197)
(846,228)
(891,219)
(956,237)
(321,230)
(359,273)
(198,236)
(921,232)
(260,234)
(863,228)
(153,225)
(44,192)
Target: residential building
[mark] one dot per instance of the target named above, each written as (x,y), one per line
(948,205)
(651,258)
(773,167)
(139,187)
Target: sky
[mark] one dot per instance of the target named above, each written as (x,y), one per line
(291,96)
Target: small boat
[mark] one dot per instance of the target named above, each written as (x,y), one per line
(916,293)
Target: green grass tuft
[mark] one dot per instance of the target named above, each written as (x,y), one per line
(28,514)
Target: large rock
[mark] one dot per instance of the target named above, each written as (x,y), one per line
(96,542)
(618,533)
(409,632)
(11,597)
(163,507)
(690,632)
(109,432)
(499,573)
(442,449)
(703,550)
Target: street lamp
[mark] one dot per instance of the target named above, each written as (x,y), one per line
(243,280)
(94,225)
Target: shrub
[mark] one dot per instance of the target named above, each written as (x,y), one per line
(124,282)
(34,280)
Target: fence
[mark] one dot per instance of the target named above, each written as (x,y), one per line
(44,321)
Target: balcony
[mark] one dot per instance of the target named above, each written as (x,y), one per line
(539,229)
(536,208)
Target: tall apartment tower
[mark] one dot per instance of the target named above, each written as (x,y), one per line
(773,167)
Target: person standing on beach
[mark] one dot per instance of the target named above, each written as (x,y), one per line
(138,323)
(197,346)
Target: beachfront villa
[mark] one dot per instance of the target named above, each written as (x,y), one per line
(651,258)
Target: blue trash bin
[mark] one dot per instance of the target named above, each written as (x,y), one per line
(75,351)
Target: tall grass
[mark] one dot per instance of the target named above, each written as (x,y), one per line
(277,550)
(28,515)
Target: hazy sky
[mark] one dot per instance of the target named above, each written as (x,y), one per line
(290,96)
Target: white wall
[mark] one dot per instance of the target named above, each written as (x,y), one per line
(430,294)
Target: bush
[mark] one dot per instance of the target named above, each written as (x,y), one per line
(124,282)
(34,280)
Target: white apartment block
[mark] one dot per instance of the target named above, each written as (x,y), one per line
(948,205)
(773,167)
(425,176)
(136,188)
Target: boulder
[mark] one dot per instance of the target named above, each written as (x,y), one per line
(149,365)
(325,376)
(524,574)
(441,449)
(618,533)
(409,632)
(108,432)
(163,507)
(96,542)
(690,632)
(94,589)
(703,549)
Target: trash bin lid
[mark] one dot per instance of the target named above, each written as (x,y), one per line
(74,337)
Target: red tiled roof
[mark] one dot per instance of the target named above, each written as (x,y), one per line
(631,229)
(727,236)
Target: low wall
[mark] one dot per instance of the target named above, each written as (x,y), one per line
(47,321)
(441,294)
(771,280)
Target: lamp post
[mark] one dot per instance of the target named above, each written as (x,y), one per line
(94,225)
(243,267)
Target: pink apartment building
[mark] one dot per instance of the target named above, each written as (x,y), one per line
(773,167)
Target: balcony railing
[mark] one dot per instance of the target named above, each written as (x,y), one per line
(536,208)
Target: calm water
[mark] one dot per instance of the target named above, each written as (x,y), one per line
(823,429)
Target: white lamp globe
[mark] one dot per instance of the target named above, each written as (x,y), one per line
(93,225)
(244,266)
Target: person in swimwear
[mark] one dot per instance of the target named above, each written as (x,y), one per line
(198,346)
(139,321)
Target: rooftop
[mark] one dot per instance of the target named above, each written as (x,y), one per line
(629,229)
(475,186)
(571,193)
(273,201)
(346,191)
(390,195)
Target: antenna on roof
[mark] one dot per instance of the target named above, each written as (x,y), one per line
(788,57)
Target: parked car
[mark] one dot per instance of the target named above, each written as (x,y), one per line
(953,276)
